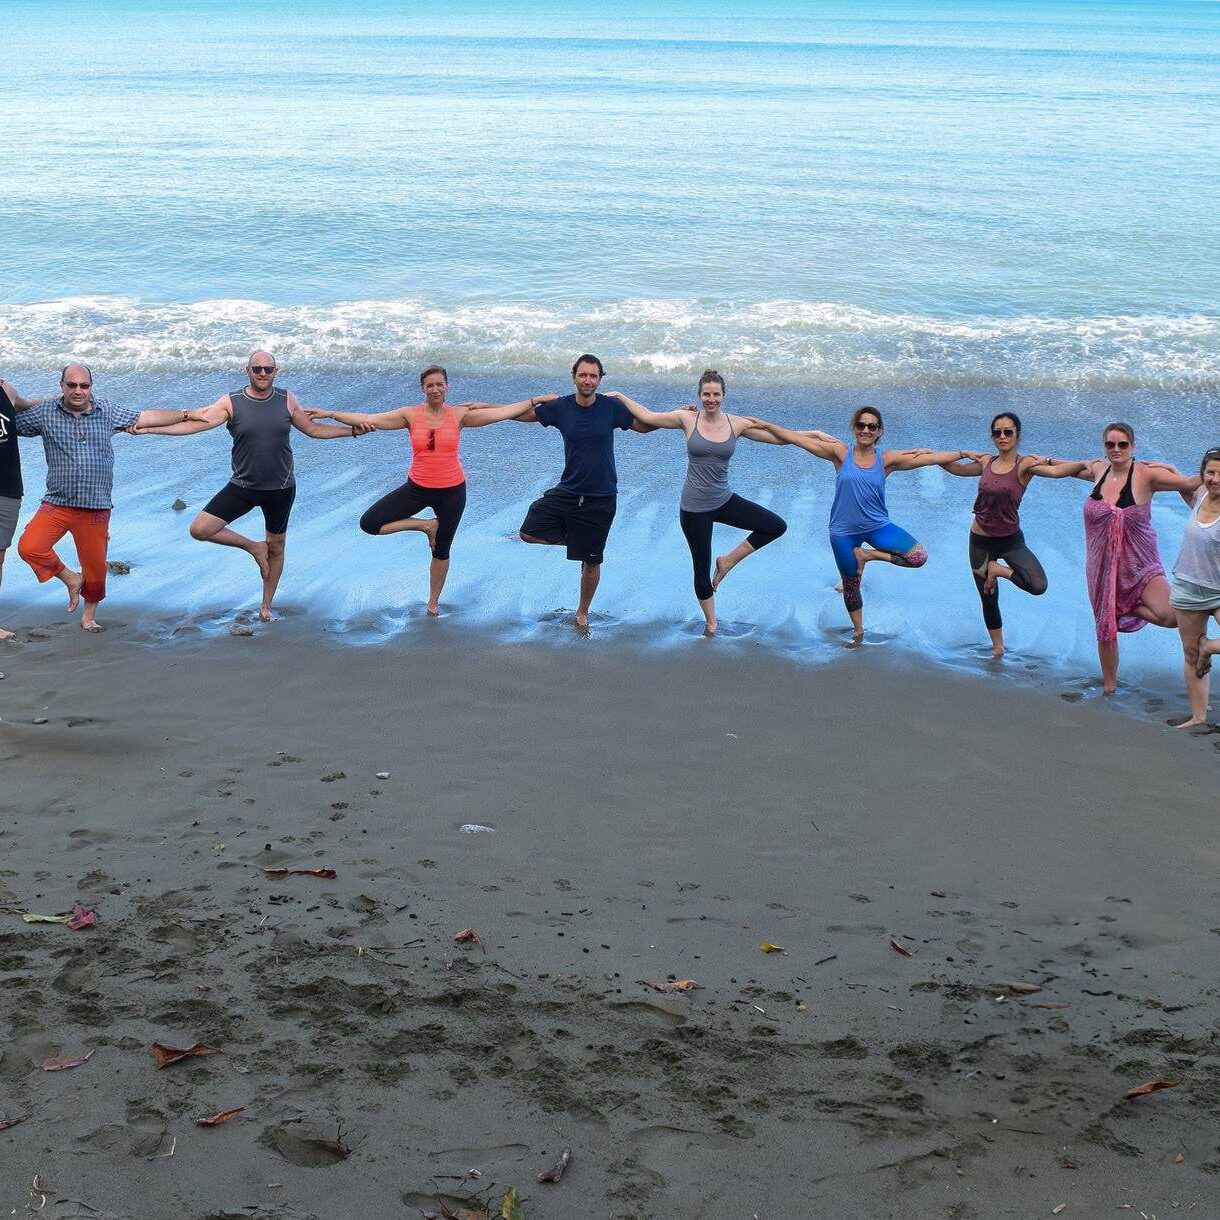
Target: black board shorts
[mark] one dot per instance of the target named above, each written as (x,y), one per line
(581,523)
(231,502)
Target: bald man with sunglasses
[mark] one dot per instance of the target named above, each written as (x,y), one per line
(260,418)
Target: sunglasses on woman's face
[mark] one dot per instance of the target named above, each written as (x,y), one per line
(1117,444)
(1005,432)
(868,427)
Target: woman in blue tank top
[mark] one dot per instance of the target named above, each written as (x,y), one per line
(860,527)
(707,500)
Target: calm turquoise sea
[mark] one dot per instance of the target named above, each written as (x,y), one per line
(945,207)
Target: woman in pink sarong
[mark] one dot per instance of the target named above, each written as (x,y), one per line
(1126,582)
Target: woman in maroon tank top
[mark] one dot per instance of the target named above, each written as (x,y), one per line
(997,545)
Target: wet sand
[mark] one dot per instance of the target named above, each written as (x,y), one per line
(654,816)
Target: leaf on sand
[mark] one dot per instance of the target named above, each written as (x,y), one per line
(672,985)
(82,917)
(899,947)
(1152,1086)
(768,947)
(556,1171)
(164,1055)
(1049,1005)
(217,1119)
(278,874)
(1016,987)
(6,1123)
(510,1206)
(462,1213)
(61,1062)
(31,917)
(468,936)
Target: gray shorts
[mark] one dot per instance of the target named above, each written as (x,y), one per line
(1186,595)
(9,508)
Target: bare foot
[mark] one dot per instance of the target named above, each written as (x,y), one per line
(582,621)
(857,639)
(1203,666)
(709,629)
(1109,690)
(265,615)
(862,557)
(430,528)
(6,635)
(434,609)
(93,627)
(75,583)
(989,581)
(997,652)
(723,568)
(1191,723)
(258,552)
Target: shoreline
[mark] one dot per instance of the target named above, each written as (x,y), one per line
(652,816)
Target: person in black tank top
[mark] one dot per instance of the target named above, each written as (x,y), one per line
(259,418)
(11,489)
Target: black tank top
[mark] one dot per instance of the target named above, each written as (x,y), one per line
(1125,498)
(10,456)
(262,454)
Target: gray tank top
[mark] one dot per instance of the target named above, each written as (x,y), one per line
(262,454)
(1199,558)
(707,471)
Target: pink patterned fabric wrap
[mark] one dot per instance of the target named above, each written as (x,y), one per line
(1121,557)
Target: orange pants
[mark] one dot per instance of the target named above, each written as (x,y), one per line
(90,530)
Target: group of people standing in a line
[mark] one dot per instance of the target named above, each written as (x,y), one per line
(1126,582)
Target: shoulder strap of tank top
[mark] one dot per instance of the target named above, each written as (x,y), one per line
(1095,494)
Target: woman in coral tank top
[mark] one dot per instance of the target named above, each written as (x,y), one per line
(436,479)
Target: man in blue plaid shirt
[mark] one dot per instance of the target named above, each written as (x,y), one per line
(77,433)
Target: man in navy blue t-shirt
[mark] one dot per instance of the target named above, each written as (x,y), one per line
(579,511)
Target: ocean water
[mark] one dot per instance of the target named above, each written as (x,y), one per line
(945,209)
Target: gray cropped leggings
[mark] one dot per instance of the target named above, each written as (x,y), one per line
(1027,572)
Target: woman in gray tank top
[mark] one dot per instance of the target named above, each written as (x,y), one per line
(1195,592)
(711,437)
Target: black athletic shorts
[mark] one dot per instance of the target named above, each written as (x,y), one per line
(231,502)
(582,523)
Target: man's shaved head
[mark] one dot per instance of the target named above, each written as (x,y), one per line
(75,372)
(260,357)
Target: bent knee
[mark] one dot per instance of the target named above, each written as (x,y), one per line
(778,530)
(370,525)
(916,557)
(1036,586)
(26,549)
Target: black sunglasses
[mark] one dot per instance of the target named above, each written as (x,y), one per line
(262,368)
(78,385)
(1117,444)
(868,427)
(998,432)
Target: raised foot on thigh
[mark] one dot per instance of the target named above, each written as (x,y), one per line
(863,556)
(721,570)
(1207,650)
(258,552)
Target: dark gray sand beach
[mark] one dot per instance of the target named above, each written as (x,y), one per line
(997,910)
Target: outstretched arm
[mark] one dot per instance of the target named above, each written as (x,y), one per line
(830,449)
(20,403)
(302,422)
(755,429)
(1168,478)
(964,467)
(181,423)
(913,459)
(480,414)
(1057,468)
(642,415)
(384,421)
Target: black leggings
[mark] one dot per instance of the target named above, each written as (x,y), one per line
(447,502)
(1027,572)
(763,524)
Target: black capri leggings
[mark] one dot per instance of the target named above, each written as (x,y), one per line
(763,524)
(1027,572)
(447,502)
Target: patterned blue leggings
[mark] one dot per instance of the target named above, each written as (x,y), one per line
(906,552)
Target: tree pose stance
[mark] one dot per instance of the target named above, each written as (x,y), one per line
(707,500)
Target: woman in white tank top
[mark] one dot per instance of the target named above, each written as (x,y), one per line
(1195,594)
